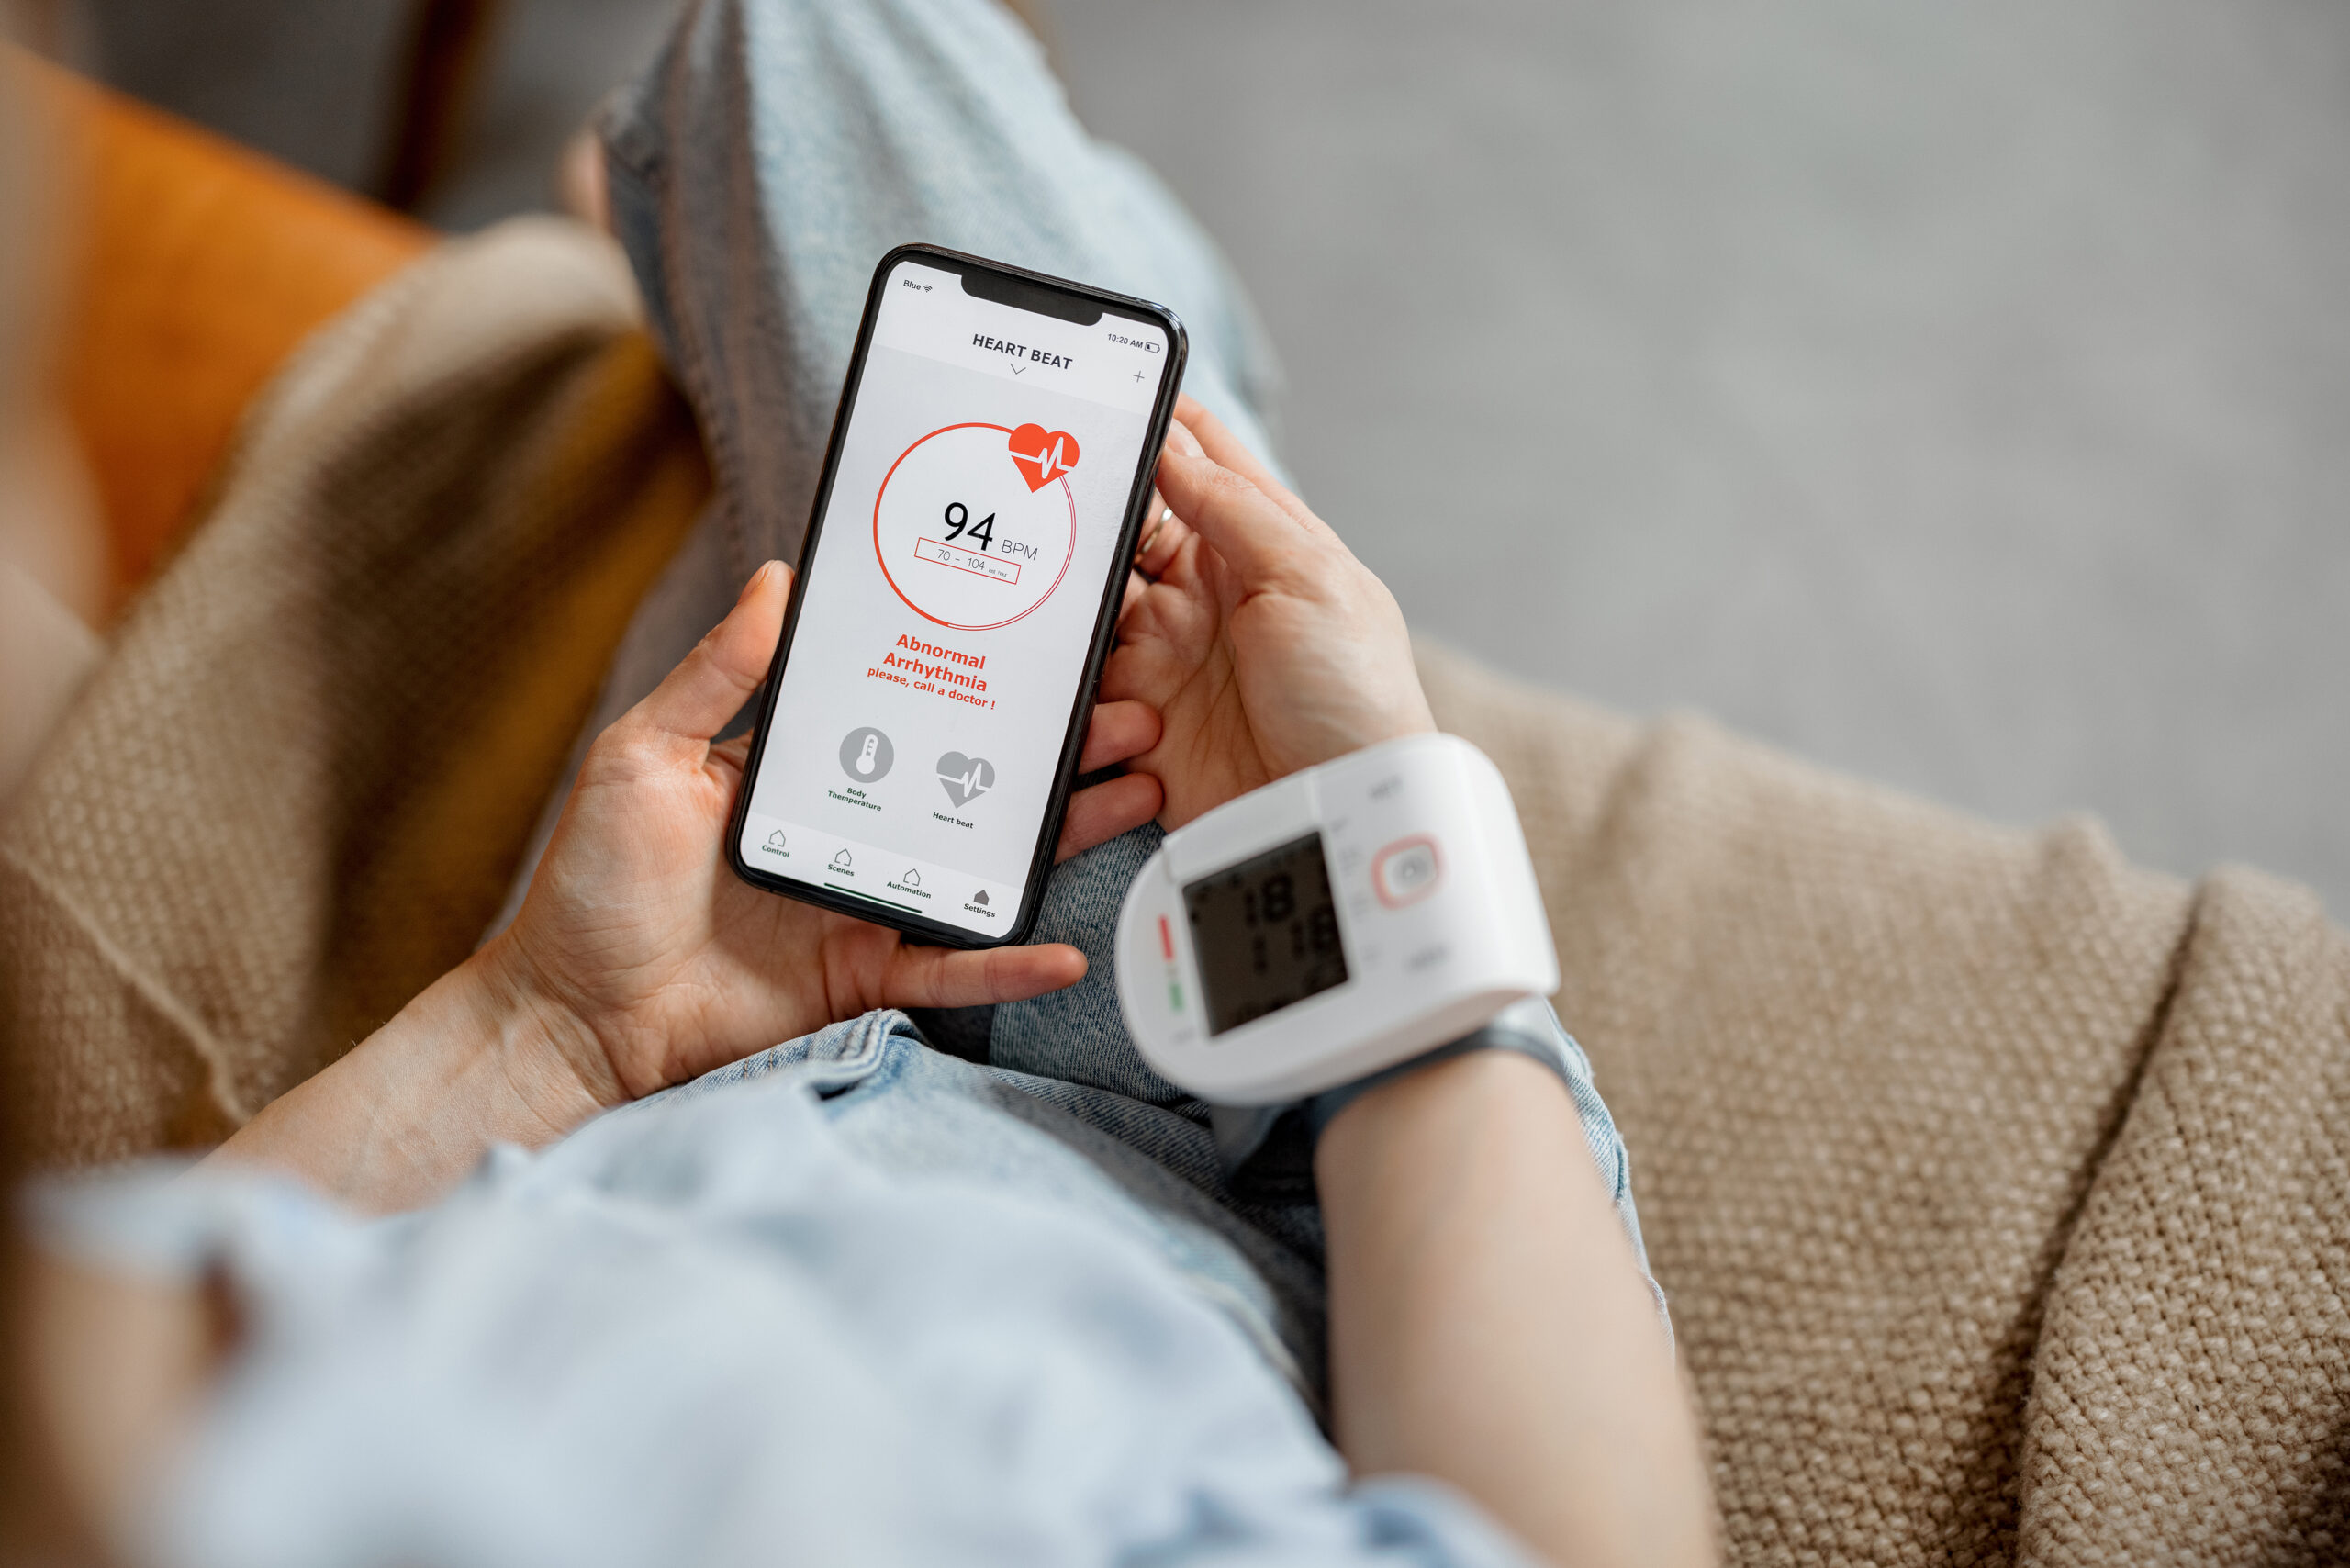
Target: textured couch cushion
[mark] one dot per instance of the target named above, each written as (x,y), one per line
(197,268)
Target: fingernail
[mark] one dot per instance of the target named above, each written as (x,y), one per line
(1184,442)
(756,578)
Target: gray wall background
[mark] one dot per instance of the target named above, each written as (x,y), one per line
(1956,395)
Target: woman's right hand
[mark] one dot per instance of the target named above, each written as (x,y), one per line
(1264,645)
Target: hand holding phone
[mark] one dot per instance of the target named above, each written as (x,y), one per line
(651,963)
(959,587)
(1258,639)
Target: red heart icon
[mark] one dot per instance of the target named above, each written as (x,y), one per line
(1041,455)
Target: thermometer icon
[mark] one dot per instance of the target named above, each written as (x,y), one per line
(866,754)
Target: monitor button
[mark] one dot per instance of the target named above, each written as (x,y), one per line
(1406,871)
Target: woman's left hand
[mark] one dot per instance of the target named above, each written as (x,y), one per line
(639,959)
(672,964)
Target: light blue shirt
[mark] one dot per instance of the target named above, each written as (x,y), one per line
(837,1305)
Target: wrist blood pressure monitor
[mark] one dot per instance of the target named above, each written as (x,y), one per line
(1333,924)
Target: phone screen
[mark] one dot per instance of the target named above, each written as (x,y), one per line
(986,462)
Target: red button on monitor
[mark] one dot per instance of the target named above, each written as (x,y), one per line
(1406,871)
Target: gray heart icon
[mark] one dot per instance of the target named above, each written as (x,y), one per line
(966,777)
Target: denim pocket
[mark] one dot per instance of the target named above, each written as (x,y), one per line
(834,1059)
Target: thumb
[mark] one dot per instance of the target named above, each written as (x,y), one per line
(710,685)
(939,977)
(1240,522)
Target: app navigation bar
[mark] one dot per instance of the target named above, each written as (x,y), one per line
(887,877)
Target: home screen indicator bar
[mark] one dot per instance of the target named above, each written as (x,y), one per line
(876,874)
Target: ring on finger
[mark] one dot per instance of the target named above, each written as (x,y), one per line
(1166,516)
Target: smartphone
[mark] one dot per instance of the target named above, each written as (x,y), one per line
(956,595)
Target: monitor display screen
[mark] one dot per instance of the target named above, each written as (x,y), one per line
(1266,932)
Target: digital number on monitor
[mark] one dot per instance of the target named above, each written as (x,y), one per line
(1265,933)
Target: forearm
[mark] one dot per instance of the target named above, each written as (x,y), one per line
(476,1059)
(1488,1324)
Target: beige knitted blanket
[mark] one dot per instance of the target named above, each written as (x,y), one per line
(2002,1191)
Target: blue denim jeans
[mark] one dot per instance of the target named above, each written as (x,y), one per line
(1116,1138)
(759,170)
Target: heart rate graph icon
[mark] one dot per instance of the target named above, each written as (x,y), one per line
(1041,455)
(966,777)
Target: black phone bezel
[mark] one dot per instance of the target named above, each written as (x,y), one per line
(1105,620)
